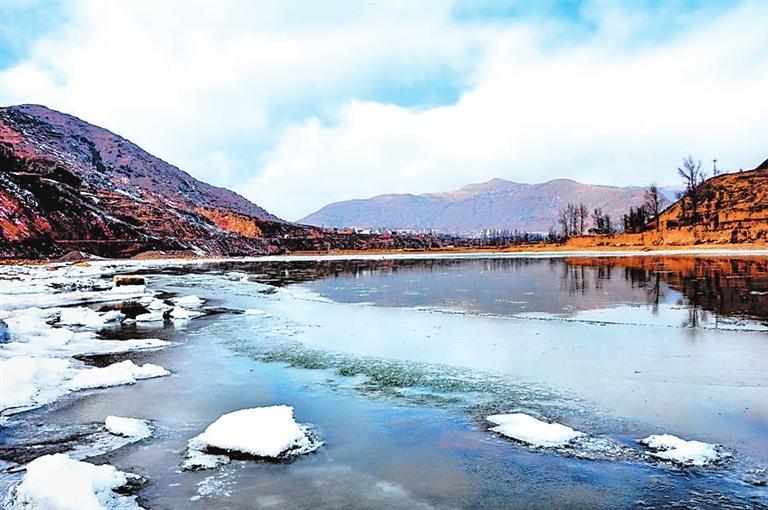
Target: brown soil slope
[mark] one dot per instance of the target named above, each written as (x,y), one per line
(733,209)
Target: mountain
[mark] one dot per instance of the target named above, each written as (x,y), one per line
(732,208)
(496,204)
(68,185)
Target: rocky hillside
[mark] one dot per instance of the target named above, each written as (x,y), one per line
(496,204)
(733,209)
(68,185)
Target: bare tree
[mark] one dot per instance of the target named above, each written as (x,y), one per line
(653,203)
(597,220)
(573,219)
(601,222)
(693,177)
(583,214)
(573,213)
(566,220)
(562,220)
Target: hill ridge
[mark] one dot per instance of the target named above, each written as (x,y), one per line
(494,204)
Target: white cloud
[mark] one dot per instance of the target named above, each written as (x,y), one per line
(187,81)
(588,112)
(269,98)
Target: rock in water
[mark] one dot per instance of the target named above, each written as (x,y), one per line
(4,335)
(125,280)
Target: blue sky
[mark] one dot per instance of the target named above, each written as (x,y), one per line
(297,104)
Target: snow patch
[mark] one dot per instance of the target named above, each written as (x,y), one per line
(128,427)
(58,482)
(125,372)
(692,453)
(261,432)
(31,381)
(532,431)
(88,317)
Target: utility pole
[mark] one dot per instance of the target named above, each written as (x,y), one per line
(714,166)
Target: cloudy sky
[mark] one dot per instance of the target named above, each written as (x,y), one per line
(296,105)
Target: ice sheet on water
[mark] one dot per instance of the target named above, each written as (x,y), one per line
(198,460)
(58,482)
(266,432)
(664,315)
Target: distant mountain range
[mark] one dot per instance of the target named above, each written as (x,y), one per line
(496,204)
(67,185)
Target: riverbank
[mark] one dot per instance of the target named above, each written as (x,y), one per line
(540,250)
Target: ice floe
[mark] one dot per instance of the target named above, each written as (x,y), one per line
(32,381)
(264,432)
(125,372)
(675,449)
(82,316)
(154,316)
(532,431)
(58,482)
(182,313)
(128,427)
(191,302)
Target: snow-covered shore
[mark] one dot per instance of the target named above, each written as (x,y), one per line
(51,314)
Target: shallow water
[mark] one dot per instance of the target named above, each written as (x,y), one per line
(396,364)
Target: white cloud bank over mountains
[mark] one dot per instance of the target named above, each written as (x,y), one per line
(298,105)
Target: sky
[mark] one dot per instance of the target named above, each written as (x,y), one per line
(298,104)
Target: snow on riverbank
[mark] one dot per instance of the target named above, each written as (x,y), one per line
(532,431)
(265,432)
(675,449)
(48,320)
(58,482)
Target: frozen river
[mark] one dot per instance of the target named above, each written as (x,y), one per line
(396,365)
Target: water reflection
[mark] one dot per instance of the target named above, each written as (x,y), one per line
(725,286)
